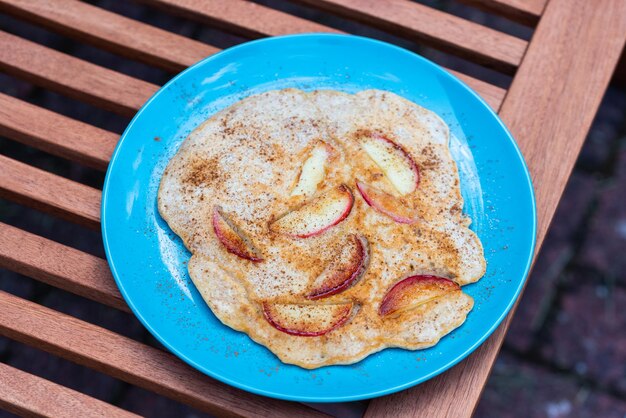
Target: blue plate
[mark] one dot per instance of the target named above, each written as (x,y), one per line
(149,261)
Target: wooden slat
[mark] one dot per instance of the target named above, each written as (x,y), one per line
(242,17)
(27,395)
(526,12)
(49,192)
(58,265)
(71,76)
(131,361)
(549,109)
(55,133)
(111,31)
(441,30)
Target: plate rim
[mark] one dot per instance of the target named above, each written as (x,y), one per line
(322,399)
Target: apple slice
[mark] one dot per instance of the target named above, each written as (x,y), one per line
(318,215)
(306,320)
(344,271)
(386,204)
(414,291)
(232,238)
(394,161)
(313,170)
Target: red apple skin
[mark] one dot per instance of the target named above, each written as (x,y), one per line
(392,302)
(229,238)
(404,152)
(343,189)
(367,192)
(301,333)
(347,274)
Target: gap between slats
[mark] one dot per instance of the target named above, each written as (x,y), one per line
(133,362)
(526,12)
(25,394)
(101,33)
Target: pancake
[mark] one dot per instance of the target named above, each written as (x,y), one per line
(327,226)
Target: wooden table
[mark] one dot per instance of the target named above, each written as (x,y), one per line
(559,79)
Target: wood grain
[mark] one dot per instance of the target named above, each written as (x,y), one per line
(73,77)
(112,32)
(27,395)
(549,109)
(55,133)
(131,361)
(526,12)
(241,17)
(433,27)
(48,192)
(58,265)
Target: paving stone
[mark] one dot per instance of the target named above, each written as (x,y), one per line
(15,87)
(588,335)
(4,346)
(16,284)
(521,389)
(598,146)
(538,297)
(606,241)
(574,204)
(556,252)
(62,372)
(149,404)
